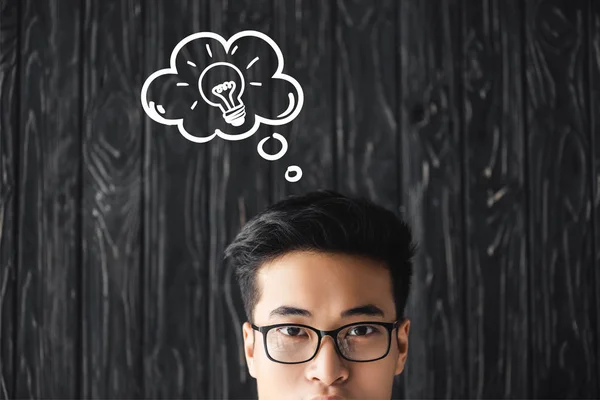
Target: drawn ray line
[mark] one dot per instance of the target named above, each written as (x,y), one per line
(191,63)
(252,62)
(256,83)
(194,105)
(234,50)
(208,49)
(183,84)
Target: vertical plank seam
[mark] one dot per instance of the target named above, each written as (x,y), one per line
(208,242)
(16,175)
(398,145)
(210,353)
(272,96)
(527,194)
(79,352)
(142,214)
(334,99)
(593,188)
(464,198)
(398,109)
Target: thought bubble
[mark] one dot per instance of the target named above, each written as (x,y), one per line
(213,73)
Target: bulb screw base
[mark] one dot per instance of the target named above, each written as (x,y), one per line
(235,116)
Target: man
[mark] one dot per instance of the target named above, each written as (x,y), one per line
(324,280)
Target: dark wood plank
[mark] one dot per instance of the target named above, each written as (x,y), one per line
(366,105)
(9,125)
(304,32)
(430,153)
(594,65)
(365,100)
(239,188)
(561,262)
(176,222)
(112,151)
(495,200)
(49,154)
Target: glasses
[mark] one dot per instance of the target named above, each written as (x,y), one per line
(297,343)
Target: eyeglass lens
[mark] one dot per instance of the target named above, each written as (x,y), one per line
(294,344)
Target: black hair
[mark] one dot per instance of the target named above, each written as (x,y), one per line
(324,221)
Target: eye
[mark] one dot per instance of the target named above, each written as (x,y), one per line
(361,330)
(292,331)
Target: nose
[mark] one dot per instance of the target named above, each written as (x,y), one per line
(327,366)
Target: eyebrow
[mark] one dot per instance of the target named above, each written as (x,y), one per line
(367,309)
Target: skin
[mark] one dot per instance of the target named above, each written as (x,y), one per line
(324,285)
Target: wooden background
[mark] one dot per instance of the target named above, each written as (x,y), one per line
(475,119)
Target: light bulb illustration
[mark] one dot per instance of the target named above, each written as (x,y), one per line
(226,93)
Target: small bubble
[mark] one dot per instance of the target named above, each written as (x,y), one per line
(293,169)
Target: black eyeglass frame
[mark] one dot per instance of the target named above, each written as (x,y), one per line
(390,326)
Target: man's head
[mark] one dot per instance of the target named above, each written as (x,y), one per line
(324,261)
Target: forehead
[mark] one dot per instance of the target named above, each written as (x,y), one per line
(324,284)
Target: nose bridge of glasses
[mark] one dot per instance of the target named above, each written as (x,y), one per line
(333,335)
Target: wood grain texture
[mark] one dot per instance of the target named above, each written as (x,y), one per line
(9,125)
(594,107)
(239,188)
(430,154)
(49,179)
(366,104)
(176,222)
(561,263)
(495,200)
(477,120)
(112,150)
(304,32)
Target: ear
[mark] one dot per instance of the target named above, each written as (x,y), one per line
(402,339)
(248,334)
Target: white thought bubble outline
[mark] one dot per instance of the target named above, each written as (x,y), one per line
(172,70)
